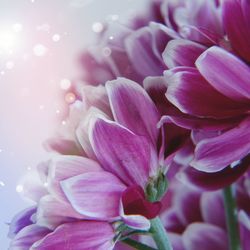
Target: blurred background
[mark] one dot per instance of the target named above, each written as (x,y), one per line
(40,43)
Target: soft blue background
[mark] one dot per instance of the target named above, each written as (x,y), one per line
(29,93)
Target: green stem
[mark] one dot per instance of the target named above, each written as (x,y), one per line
(159,235)
(137,245)
(231,218)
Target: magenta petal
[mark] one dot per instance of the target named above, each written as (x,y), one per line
(156,87)
(214,154)
(226,73)
(27,237)
(236,20)
(20,221)
(52,212)
(176,241)
(192,94)
(213,181)
(244,220)
(203,236)
(129,101)
(187,205)
(143,48)
(196,123)
(78,236)
(121,152)
(180,52)
(215,216)
(94,194)
(63,167)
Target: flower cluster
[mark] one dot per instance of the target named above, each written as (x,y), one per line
(156,147)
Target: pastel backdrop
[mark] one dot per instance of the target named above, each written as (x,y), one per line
(40,43)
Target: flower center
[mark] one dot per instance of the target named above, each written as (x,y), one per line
(134,202)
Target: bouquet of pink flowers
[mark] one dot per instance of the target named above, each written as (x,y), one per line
(154,153)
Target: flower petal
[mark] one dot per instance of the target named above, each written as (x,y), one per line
(52,212)
(226,73)
(214,154)
(236,19)
(187,205)
(180,52)
(121,152)
(213,181)
(204,236)
(156,88)
(196,123)
(244,221)
(85,235)
(217,215)
(64,167)
(94,194)
(20,221)
(192,94)
(129,101)
(27,237)
(141,46)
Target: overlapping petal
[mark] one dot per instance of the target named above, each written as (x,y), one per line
(78,236)
(236,20)
(129,101)
(214,154)
(204,236)
(95,194)
(127,155)
(192,94)
(180,52)
(226,73)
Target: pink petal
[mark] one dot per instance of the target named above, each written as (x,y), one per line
(236,19)
(82,130)
(129,101)
(27,237)
(141,46)
(192,94)
(214,154)
(63,167)
(180,52)
(94,194)
(176,241)
(20,221)
(213,181)
(196,123)
(244,221)
(215,216)
(85,235)
(121,152)
(52,212)
(226,73)
(156,87)
(203,236)
(187,205)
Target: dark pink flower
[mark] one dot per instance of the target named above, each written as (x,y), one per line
(217,93)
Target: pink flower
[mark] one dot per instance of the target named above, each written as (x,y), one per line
(222,78)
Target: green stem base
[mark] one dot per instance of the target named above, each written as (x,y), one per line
(159,235)
(231,219)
